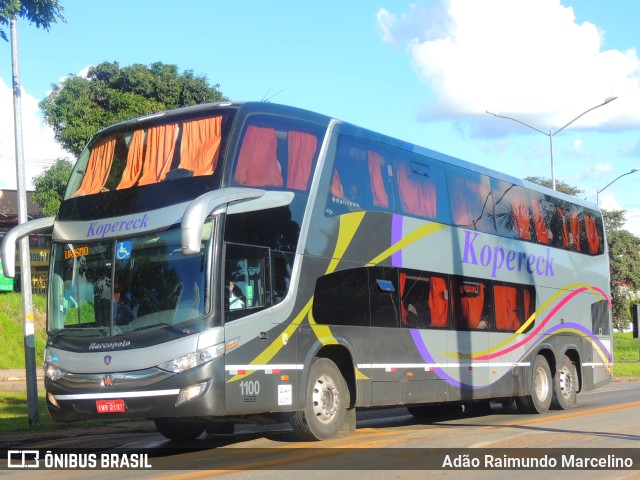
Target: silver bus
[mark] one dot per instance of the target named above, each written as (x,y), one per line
(251,262)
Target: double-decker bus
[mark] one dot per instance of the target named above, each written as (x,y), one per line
(250,262)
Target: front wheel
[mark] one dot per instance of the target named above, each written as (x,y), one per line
(539,400)
(565,385)
(326,403)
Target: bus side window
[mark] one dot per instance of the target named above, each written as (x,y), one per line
(424,300)
(342,298)
(514,305)
(471,199)
(246,280)
(361,177)
(511,212)
(541,218)
(383,297)
(421,187)
(592,243)
(471,304)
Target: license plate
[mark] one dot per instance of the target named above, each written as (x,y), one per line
(110,406)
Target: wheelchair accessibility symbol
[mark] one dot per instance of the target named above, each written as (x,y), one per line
(123,250)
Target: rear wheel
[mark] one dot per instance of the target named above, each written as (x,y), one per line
(326,402)
(174,429)
(539,400)
(565,385)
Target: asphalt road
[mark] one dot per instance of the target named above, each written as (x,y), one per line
(387,444)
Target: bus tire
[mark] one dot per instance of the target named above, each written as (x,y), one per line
(539,400)
(565,385)
(325,405)
(175,429)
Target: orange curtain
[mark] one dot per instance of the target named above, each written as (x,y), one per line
(403,309)
(472,306)
(380,197)
(336,186)
(200,146)
(459,209)
(575,230)
(593,240)
(527,304)
(542,234)
(98,167)
(521,217)
(161,143)
(134,161)
(258,162)
(438,303)
(506,304)
(302,149)
(417,196)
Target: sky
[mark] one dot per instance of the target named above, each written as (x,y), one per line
(424,71)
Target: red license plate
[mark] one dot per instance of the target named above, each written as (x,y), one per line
(110,406)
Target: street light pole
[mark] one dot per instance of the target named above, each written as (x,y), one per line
(25,259)
(551,133)
(633,170)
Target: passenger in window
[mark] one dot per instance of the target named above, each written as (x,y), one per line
(354,195)
(125,308)
(237,300)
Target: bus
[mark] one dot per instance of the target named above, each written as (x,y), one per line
(254,263)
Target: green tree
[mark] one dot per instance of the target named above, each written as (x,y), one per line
(561,186)
(41,12)
(50,187)
(79,107)
(624,266)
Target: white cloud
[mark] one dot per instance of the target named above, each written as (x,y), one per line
(527,58)
(608,202)
(577,145)
(39,146)
(633,221)
(600,169)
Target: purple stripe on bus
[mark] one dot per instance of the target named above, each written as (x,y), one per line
(396,236)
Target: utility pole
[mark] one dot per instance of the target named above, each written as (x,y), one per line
(25,258)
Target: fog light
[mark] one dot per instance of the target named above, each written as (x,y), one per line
(52,400)
(191,392)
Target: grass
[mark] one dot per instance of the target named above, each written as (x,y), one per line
(13,405)
(13,415)
(625,355)
(11,329)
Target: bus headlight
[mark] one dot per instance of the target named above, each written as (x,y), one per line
(52,372)
(192,360)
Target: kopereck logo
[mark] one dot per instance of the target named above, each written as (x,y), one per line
(498,258)
(98,229)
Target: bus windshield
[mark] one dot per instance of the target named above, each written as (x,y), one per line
(121,286)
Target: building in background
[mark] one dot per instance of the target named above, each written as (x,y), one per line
(39,245)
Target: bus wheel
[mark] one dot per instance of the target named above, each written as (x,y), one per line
(542,389)
(174,429)
(565,385)
(325,404)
